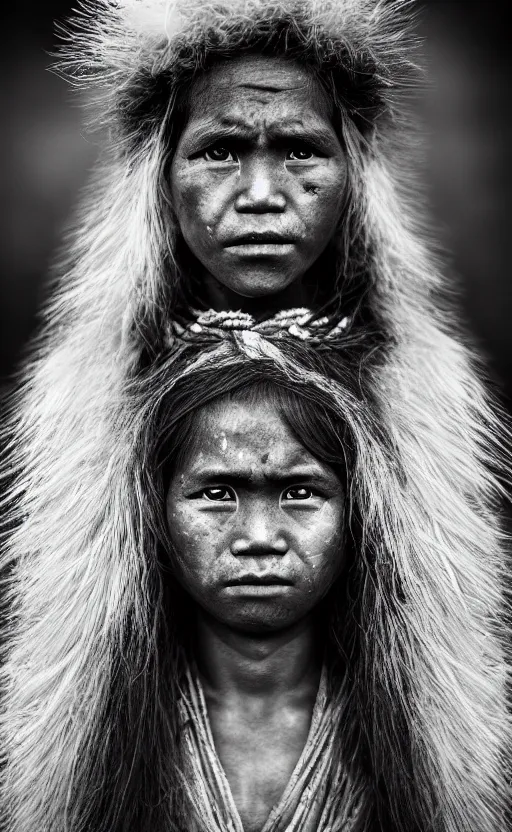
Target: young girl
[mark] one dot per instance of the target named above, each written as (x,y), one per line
(162,648)
(257,528)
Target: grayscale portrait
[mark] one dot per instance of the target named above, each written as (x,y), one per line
(254,563)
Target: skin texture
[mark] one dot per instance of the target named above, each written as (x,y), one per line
(258,155)
(250,504)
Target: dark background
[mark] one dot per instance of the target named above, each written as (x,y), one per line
(44,159)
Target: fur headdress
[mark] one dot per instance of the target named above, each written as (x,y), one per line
(79,581)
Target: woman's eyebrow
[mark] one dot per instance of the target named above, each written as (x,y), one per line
(203,134)
(314,133)
(208,132)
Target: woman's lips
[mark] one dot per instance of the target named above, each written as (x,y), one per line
(261,250)
(259,580)
(260,238)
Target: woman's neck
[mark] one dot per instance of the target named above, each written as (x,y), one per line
(219,297)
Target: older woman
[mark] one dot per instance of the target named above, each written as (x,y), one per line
(249,214)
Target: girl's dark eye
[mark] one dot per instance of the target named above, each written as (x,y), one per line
(298,492)
(218,153)
(299,154)
(222,494)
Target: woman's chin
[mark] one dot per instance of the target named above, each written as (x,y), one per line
(259,285)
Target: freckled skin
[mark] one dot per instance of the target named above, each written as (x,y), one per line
(258,531)
(258,654)
(258,153)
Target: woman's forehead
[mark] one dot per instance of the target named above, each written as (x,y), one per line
(258,78)
(259,71)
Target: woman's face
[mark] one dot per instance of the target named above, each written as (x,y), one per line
(259,176)
(255,519)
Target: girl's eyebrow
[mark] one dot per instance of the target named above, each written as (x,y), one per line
(210,475)
(312,473)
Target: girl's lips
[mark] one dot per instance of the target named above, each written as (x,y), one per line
(258,589)
(270,248)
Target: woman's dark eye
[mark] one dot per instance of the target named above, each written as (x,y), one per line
(218,153)
(222,494)
(299,492)
(299,154)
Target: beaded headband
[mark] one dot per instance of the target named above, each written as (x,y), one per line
(212,327)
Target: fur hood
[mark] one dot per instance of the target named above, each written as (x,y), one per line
(80,583)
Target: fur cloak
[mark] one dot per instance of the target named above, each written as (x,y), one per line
(75,560)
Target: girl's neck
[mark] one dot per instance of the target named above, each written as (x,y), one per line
(233,663)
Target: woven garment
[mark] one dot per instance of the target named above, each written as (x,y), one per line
(312,801)
(210,327)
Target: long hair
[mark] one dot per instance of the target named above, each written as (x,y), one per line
(138,60)
(427,727)
(150,734)
(128,770)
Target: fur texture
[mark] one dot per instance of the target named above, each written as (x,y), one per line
(82,599)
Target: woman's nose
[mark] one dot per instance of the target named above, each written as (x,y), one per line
(258,534)
(260,190)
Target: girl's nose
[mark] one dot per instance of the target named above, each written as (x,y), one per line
(258,534)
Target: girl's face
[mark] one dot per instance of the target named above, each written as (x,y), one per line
(255,519)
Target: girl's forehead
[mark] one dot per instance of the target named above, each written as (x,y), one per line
(245,427)
(251,441)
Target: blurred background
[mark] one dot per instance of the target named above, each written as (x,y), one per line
(45,158)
